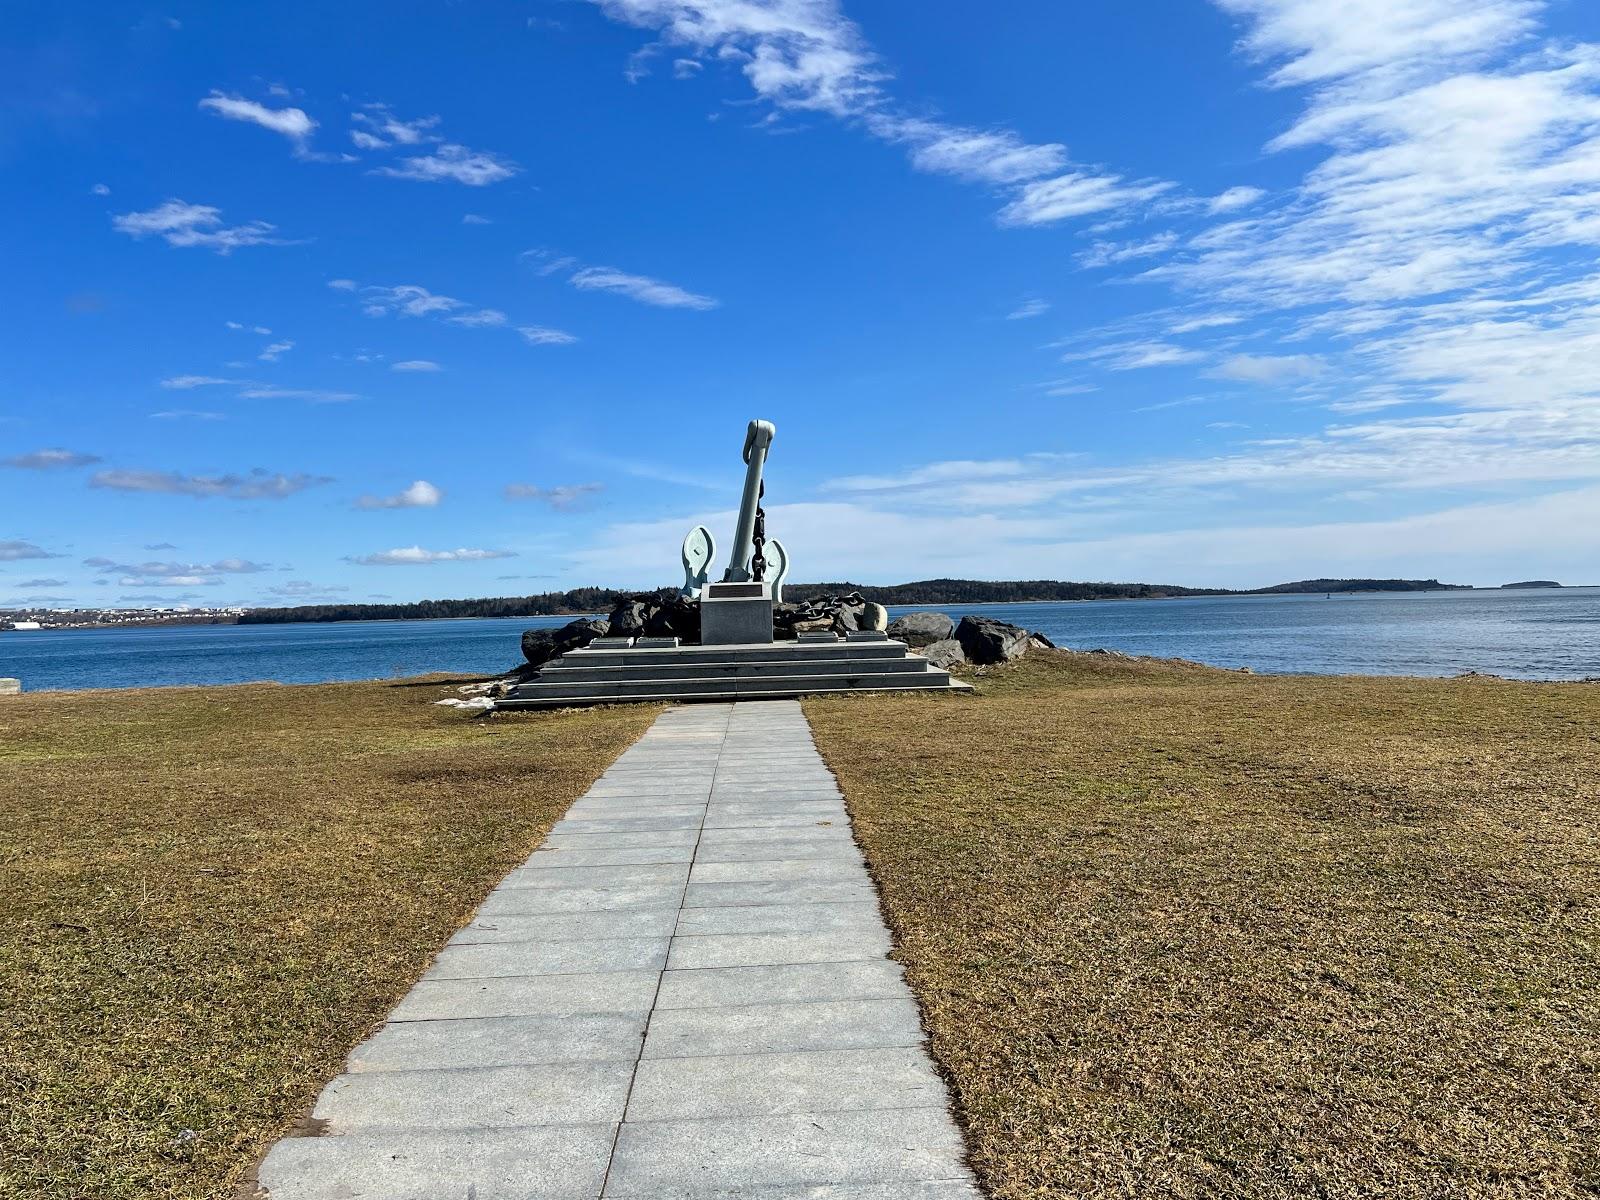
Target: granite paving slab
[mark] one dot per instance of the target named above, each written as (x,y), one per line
(684,993)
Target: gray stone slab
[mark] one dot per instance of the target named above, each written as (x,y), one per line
(827,891)
(783,1028)
(773,949)
(840,849)
(723,986)
(558,859)
(689,1160)
(632,839)
(741,835)
(622,992)
(789,819)
(529,900)
(476,1097)
(559,1162)
(512,1041)
(612,923)
(766,1085)
(765,870)
(779,918)
(615,876)
(645,805)
(576,957)
(569,827)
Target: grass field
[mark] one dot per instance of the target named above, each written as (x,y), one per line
(210,895)
(1180,932)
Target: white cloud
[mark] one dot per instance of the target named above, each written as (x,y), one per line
(275,351)
(1268,368)
(420,494)
(639,287)
(315,395)
(1136,355)
(475,219)
(561,497)
(1028,308)
(186,414)
(416,364)
(1234,198)
(475,168)
(100,189)
(381,121)
(543,335)
(17,551)
(184,224)
(412,556)
(1075,194)
(343,285)
(807,56)
(49,460)
(292,123)
(407,299)
(304,589)
(256,485)
(482,318)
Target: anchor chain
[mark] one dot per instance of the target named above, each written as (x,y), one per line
(758,561)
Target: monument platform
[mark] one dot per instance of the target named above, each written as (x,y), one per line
(620,674)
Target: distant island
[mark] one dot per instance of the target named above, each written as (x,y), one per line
(1532,583)
(926,591)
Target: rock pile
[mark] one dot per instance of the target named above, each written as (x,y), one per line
(838,614)
(978,640)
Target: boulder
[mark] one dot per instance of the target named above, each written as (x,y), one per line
(945,653)
(873,616)
(677,617)
(986,640)
(539,646)
(628,618)
(922,628)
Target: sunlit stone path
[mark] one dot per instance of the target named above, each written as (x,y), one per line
(683,993)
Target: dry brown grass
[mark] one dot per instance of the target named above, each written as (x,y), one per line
(209,895)
(1180,932)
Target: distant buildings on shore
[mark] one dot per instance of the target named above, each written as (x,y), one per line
(25,619)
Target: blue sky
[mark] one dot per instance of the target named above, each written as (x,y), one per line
(318,303)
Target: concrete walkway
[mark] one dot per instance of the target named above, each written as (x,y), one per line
(683,993)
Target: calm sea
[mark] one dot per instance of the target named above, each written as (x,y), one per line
(1528,634)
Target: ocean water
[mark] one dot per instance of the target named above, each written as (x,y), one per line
(1551,633)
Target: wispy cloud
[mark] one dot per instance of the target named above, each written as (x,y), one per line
(275,351)
(315,395)
(305,590)
(182,224)
(258,484)
(174,574)
(292,123)
(185,383)
(638,287)
(416,556)
(562,497)
(36,585)
(1268,368)
(543,335)
(49,460)
(186,414)
(1027,309)
(422,365)
(406,300)
(420,494)
(16,551)
(475,168)
(808,57)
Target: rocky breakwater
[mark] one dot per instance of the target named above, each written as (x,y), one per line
(980,641)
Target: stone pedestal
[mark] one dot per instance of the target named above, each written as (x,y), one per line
(735,614)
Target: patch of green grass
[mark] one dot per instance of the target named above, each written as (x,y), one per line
(211,894)
(1183,932)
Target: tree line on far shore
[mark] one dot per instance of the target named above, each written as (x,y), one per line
(927,591)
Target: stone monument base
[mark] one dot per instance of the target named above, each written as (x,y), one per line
(735,614)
